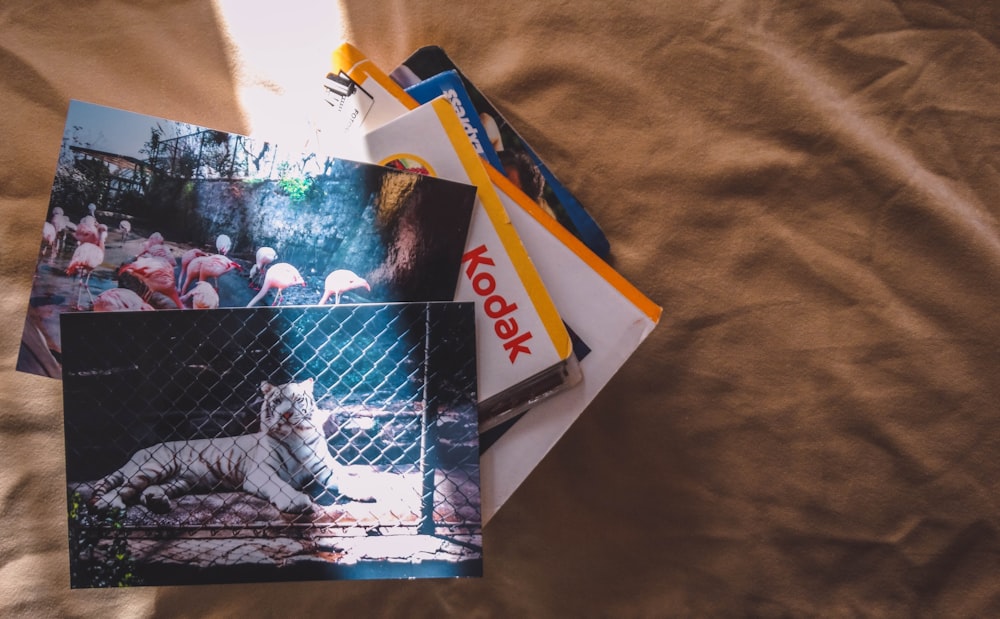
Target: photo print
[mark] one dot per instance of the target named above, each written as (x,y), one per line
(272,444)
(147,213)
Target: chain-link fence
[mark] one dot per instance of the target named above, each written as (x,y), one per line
(191,435)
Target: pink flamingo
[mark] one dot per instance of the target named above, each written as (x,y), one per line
(202,296)
(186,259)
(263,257)
(86,258)
(339,282)
(125,227)
(62,225)
(155,247)
(279,277)
(156,274)
(223,243)
(120,300)
(160,252)
(88,231)
(154,239)
(48,237)
(203,267)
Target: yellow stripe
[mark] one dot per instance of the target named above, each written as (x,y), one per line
(476,169)
(346,57)
(613,277)
(359,68)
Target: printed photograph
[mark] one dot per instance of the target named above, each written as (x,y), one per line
(272,444)
(147,213)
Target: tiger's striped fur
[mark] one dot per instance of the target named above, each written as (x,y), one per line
(276,464)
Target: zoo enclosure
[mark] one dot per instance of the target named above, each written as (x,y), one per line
(399,381)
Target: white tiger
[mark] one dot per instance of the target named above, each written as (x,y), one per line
(287,454)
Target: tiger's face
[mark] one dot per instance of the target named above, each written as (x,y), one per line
(288,406)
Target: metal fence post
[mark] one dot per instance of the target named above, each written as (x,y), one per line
(427,436)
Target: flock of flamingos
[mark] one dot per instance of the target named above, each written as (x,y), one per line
(155,266)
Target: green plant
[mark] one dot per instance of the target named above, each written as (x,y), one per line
(98,547)
(297,188)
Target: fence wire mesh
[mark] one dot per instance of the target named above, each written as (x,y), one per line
(175,426)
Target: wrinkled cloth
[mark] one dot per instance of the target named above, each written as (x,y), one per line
(811,192)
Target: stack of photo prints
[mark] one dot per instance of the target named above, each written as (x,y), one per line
(330,362)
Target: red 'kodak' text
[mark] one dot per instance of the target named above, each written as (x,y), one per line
(495,305)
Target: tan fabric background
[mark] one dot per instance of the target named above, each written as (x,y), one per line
(812,194)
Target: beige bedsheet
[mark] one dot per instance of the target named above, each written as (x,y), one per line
(810,191)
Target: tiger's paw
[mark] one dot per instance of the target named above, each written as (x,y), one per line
(156,500)
(295,504)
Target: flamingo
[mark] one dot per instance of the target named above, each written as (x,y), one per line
(150,244)
(155,247)
(160,252)
(279,277)
(203,267)
(125,227)
(48,237)
(223,243)
(263,257)
(202,296)
(120,300)
(88,231)
(86,258)
(156,274)
(186,259)
(339,282)
(62,225)
(154,239)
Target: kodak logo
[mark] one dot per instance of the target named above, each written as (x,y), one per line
(505,325)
